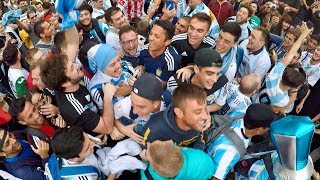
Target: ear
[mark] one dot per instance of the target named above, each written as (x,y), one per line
(167,42)
(42,35)
(22,122)
(196,69)
(178,112)
(156,104)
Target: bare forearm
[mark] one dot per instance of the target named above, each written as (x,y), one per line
(213,107)
(22,25)
(72,40)
(108,115)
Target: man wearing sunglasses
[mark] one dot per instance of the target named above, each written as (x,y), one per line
(29,28)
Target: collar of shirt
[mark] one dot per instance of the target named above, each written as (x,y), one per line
(256,52)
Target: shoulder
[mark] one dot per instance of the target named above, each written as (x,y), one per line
(209,41)
(180,37)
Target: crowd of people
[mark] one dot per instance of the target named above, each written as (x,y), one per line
(159,89)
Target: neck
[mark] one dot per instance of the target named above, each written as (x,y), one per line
(255,50)
(72,88)
(287,48)
(248,95)
(17,65)
(36,126)
(181,125)
(87,28)
(46,39)
(195,81)
(14,153)
(157,52)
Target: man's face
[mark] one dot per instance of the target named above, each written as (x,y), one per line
(22,4)
(316,54)
(118,20)
(87,149)
(193,3)
(129,43)
(288,40)
(242,16)
(10,145)
(157,38)
(48,30)
(98,4)
(181,26)
(30,115)
(312,44)
(141,106)
(85,18)
(196,32)
(36,78)
(207,76)
(114,69)
(295,59)
(195,114)
(39,7)
(33,18)
(73,72)
(255,41)
(225,42)
(254,7)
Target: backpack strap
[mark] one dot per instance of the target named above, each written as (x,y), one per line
(96,27)
(237,141)
(223,80)
(268,164)
(148,174)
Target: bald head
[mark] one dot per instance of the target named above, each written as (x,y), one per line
(250,83)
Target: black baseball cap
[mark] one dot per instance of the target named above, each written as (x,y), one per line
(259,115)
(207,57)
(148,86)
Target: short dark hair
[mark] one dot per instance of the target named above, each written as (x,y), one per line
(29,12)
(10,54)
(37,3)
(86,7)
(167,26)
(52,71)
(82,55)
(233,28)
(17,106)
(59,40)
(250,12)
(38,29)
(293,78)
(67,142)
(110,12)
(126,29)
(264,32)
(202,17)
(46,5)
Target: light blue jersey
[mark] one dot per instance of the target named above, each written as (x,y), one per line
(224,154)
(236,102)
(312,71)
(271,92)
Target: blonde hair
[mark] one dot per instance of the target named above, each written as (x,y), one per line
(167,159)
(29,57)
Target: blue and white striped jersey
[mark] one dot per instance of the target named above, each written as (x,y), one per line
(236,102)
(312,71)
(271,92)
(224,154)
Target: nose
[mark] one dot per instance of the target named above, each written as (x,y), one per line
(215,78)
(135,110)
(204,114)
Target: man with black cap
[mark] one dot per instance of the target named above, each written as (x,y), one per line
(224,153)
(147,97)
(206,69)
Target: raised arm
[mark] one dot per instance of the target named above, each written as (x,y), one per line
(72,39)
(289,56)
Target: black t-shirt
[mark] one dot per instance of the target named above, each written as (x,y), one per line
(162,126)
(78,109)
(311,106)
(181,44)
